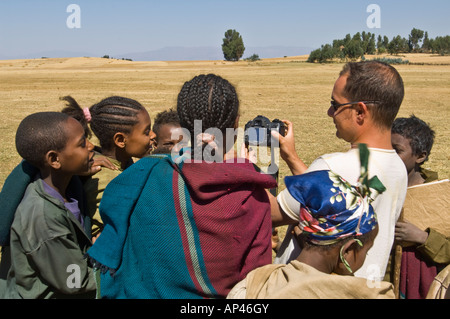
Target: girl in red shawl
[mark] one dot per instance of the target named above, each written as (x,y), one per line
(187,226)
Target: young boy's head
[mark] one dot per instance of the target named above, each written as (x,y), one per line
(413,139)
(165,124)
(53,139)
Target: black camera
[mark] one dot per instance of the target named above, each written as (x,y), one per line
(258,131)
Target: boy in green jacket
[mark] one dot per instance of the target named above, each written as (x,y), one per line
(413,139)
(48,237)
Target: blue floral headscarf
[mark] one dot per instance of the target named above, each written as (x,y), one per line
(331,208)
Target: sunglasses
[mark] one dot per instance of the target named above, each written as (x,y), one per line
(337,106)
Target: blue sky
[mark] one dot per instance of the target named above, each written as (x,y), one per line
(116,27)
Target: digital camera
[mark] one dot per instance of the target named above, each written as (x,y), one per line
(258,131)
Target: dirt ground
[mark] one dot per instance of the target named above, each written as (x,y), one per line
(284,88)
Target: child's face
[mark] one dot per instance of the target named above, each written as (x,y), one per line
(402,146)
(141,139)
(164,139)
(77,157)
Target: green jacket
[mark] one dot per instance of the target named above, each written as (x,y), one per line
(47,248)
(94,187)
(436,248)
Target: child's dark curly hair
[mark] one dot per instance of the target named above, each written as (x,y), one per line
(165,117)
(419,133)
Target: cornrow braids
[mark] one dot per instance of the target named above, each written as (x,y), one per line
(111,115)
(212,100)
(208,98)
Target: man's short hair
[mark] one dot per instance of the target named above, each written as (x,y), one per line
(375,81)
(39,133)
(419,133)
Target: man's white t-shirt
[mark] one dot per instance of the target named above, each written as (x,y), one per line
(391,171)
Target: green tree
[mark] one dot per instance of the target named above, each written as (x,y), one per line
(381,46)
(326,53)
(233,46)
(415,37)
(314,56)
(426,43)
(353,50)
(379,42)
(385,41)
(253,58)
(441,45)
(364,40)
(357,37)
(371,46)
(397,45)
(347,39)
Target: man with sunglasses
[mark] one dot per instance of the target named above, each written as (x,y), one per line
(364,103)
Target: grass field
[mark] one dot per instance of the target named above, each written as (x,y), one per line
(285,88)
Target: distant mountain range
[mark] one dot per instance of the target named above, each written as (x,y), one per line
(211,53)
(173,53)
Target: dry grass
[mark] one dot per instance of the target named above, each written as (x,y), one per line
(285,88)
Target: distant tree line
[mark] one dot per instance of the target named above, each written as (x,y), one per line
(106,56)
(360,44)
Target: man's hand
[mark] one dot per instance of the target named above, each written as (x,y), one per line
(405,231)
(287,149)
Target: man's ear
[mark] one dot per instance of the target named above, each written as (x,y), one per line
(421,158)
(52,159)
(362,111)
(120,139)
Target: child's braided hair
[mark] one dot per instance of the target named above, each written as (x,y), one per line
(210,99)
(109,116)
